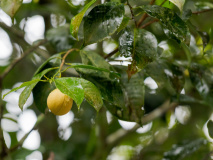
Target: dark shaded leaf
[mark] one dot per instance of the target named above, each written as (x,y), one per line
(102,21)
(60,38)
(170,20)
(76,21)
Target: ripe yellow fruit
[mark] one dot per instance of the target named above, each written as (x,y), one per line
(59,103)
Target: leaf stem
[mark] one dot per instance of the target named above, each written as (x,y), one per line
(111,54)
(133,17)
(148,23)
(203,11)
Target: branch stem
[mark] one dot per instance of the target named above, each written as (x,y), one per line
(133,17)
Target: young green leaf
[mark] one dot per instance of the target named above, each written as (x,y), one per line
(124,23)
(102,21)
(178,3)
(76,21)
(27,91)
(10,6)
(72,87)
(177,28)
(210,128)
(22,85)
(92,94)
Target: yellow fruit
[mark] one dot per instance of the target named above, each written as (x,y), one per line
(59,103)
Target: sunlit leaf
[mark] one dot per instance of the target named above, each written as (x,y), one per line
(178,3)
(76,21)
(102,21)
(176,27)
(10,6)
(124,23)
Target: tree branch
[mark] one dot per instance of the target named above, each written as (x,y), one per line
(133,17)
(20,143)
(148,23)
(203,11)
(145,15)
(28,51)
(116,137)
(111,54)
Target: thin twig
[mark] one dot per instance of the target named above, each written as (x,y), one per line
(203,11)
(117,136)
(65,56)
(144,16)
(28,51)
(111,53)
(133,17)
(20,143)
(148,23)
(163,2)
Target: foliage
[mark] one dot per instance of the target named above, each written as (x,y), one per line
(149,64)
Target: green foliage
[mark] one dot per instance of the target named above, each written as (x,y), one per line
(11,6)
(102,21)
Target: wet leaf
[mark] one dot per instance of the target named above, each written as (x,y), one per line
(145,48)
(210,128)
(27,91)
(177,28)
(11,6)
(126,41)
(179,152)
(102,21)
(92,94)
(72,87)
(76,21)
(178,3)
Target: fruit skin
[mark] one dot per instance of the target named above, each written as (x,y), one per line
(59,103)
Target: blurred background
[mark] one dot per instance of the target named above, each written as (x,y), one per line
(181,133)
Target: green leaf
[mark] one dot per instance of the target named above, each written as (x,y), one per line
(178,3)
(76,21)
(92,94)
(102,21)
(10,6)
(72,87)
(22,85)
(124,23)
(210,128)
(126,41)
(145,48)
(27,91)
(60,38)
(171,21)
(42,90)
(75,65)
(186,148)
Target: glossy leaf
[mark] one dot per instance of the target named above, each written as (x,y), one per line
(76,21)
(178,3)
(177,28)
(92,94)
(102,21)
(10,6)
(210,128)
(126,41)
(60,38)
(72,87)
(181,151)
(27,91)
